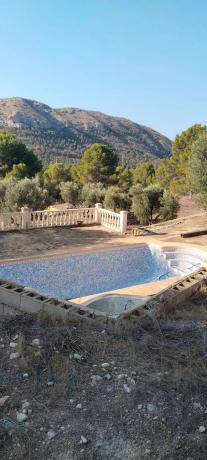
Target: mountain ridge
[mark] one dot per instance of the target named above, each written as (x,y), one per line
(64,133)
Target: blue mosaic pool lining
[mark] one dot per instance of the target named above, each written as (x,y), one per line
(89,273)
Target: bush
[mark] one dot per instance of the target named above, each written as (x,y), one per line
(93,193)
(25,192)
(146,202)
(169,206)
(5,184)
(70,192)
(115,199)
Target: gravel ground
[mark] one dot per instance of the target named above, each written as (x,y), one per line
(92,392)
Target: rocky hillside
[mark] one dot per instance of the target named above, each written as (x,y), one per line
(65,133)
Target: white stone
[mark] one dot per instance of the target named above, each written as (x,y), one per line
(151,408)
(139,406)
(3,400)
(197,405)
(126,388)
(79,406)
(108,376)
(50,383)
(25,405)
(130,380)
(2,345)
(96,378)
(120,376)
(50,434)
(72,401)
(104,365)
(202,429)
(25,375)
(35,343)
(77,356)
(21,417)
(14,355)
(83,440)
(13,345)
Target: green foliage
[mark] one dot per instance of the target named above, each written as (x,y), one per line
(92,194)
(5,184)
(14,152)
(98,164)
(165,173)
(143,174)
(115,199)
(146,202)
(169,206)
(52,176)
(70,192)
(25,192)
(122,178)
(18,171)
(198,168)
(181,152)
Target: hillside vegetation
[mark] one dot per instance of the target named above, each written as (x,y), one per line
(66,132)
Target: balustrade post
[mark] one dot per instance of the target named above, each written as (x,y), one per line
(25,218)
(97,216)
(123,221)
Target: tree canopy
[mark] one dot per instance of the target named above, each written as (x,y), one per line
(53,175)
(98,164)
(14,152)
(143,174)
(198,168)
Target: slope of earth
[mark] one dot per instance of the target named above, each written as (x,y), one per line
(88,391)
(65,133)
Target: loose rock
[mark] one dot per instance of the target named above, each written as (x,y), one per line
(50,434)
(14,355)
(3,400)
(35,343)
(21,417)
(83,440)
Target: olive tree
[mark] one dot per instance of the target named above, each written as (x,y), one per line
(25,192)
(70,192)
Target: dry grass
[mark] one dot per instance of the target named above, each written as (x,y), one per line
(165,356)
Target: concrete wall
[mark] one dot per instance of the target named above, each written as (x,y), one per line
(24,300)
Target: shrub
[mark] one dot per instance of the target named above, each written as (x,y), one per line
(169,206)
(25,192)
(93,193)
(115,199)
(70,192)
(146,202)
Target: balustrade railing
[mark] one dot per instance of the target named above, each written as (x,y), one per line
(10,221)
(69,217)
(110,219)
(27,219)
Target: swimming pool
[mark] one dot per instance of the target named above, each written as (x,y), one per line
(91,273)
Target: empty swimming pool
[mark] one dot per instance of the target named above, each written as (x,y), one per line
(92,273)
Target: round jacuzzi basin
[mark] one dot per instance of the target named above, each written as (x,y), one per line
(113,304)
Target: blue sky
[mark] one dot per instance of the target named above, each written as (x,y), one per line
(145,60)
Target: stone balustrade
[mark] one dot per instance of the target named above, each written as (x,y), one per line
(27,219)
